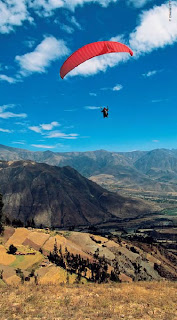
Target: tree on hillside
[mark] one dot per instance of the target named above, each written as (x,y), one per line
(1,274)
(1,206)
(30,224)
(20,274)
(17,223)
(12,249)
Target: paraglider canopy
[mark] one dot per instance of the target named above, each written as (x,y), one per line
(92,50)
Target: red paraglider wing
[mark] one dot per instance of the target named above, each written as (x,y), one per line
(92,50)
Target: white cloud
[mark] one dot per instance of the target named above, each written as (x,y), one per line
(42,146)
(18,142)
(44,127)
(47,7)
(118,87)
(35,129)
(66,28)
(10,80)
(6,114)
(29,43)
(119,38)
(75,22)
(91,108)
(101,63)
(6,130)
(105,88)
(154,31)
(50,49)
(49,126)
(25,123)
(149,73)
(138,3)
(98,64)
(92,94)
(158,100)
(62,135)
(13,13)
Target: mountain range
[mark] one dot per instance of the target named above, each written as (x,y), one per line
(154,170)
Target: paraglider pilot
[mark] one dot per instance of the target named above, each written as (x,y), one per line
(105,112)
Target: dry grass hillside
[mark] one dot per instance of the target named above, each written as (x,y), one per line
(133,301)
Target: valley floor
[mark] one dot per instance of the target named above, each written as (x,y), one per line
(133,301)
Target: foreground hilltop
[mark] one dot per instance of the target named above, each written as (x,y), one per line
(140,301)
(61,197)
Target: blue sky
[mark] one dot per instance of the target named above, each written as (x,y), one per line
(40,111)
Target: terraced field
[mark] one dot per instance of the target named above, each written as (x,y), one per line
(33,246)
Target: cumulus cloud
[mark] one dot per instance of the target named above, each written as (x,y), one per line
(98,64)
(6,114)
(10,80)
(154,30)
(47,7)
(44,127)
(13,13)
(138,3)
(5,130)
(93,94)
(49,126)
(50,49)
(101,63)
(118,87)
(35,129)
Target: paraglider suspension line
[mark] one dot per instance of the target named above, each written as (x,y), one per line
(170,10)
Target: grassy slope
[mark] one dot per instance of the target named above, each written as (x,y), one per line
(135,301)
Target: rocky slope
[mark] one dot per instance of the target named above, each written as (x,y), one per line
(54,196)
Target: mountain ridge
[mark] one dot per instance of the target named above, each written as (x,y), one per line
(55,196)
(154,170)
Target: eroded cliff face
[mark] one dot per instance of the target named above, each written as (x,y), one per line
(54,196)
